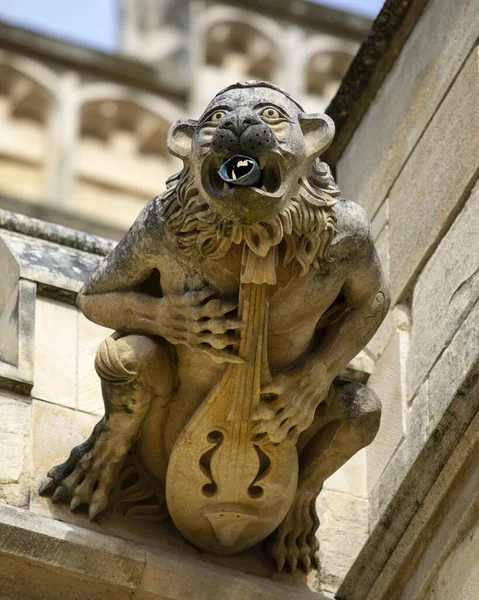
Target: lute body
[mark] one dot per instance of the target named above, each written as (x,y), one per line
(224,492)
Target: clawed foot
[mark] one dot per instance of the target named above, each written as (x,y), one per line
(294,543)
(89,474)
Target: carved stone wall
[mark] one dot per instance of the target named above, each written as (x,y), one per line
(412,163)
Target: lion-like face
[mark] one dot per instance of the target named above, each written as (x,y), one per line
(248,151)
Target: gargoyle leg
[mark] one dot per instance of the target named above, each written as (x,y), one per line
(136,372)
(342,426)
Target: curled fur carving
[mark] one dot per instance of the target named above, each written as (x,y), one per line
(306,226)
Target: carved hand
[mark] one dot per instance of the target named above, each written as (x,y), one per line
(291,412)
(199,322)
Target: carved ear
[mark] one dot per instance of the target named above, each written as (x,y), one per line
(179,138)
(318,132)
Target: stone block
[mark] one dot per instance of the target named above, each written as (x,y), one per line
(50,264)
(72,563)
(380,219)
(408,98)
(15,428)
(184,579)
(343,530)
(55,376)
(351,477)
(451,369)
(17,321)
(416,435)
(387,382)
(431,187)
(94,561)
(458,576)
(445,292)
(90,335)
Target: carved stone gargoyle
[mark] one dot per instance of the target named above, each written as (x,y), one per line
(238,298)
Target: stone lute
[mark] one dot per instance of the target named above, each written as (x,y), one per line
(224,491)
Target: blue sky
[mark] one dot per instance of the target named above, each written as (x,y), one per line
(95,22)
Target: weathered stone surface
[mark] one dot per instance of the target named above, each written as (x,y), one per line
(17,322)
(415,86)
(387,381)
(57,234)
(55,377)
(434,183)
(400,460)
(344,529)
(380,220)
(450,370)
(77,564)
(398,539)
(15,431)
(398,318)
(444,294)
(458,577)
(50,264)
(369,68)
(9,292)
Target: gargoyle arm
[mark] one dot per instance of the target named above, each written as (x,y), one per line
(367,300)
(110,298)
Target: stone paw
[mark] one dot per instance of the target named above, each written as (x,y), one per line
(88,475)
(294,544)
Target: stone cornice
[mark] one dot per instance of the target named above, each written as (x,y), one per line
(80,58)
(311,15)
(369,68)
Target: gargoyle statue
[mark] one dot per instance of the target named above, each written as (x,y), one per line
(237,297)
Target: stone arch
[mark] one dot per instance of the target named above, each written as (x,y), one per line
(325,62)
(325,71)
(122,154)
(34,71)
(243,42)
(27,100)
(105,108)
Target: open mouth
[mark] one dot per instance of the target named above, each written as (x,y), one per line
(262,174)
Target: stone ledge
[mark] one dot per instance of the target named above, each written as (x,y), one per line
(107,66)
(377,560)
(85,564)
(369,69)
(58,234)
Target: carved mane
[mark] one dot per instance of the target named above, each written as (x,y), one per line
(307,225)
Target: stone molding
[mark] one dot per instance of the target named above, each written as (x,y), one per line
(369,69)
(387,554)
(58,234)
(37,257)
(113,67)
(107,567)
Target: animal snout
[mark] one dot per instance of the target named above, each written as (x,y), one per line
(243,134)
(238,123)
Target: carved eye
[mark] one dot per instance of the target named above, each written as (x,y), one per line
(271,115)
(217,116)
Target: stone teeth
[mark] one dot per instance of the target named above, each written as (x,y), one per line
(262,162)
(233,174)
(263,187)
